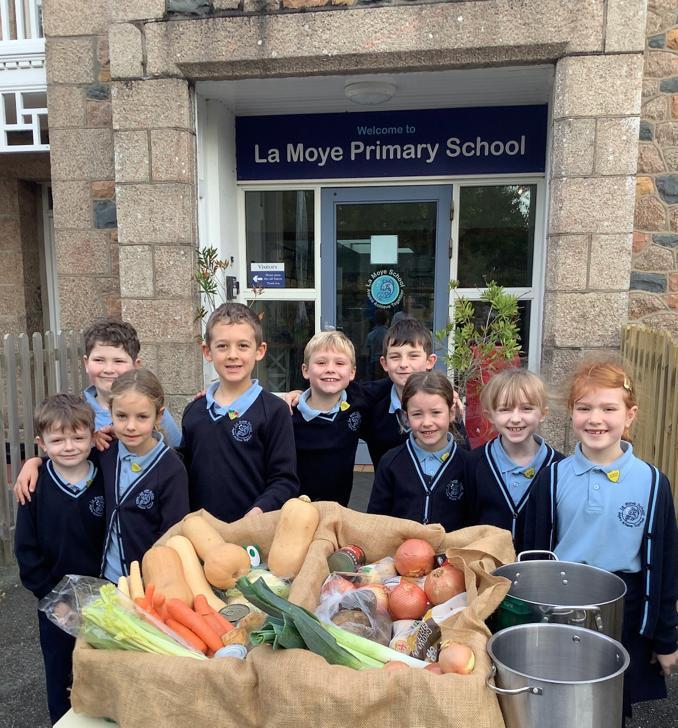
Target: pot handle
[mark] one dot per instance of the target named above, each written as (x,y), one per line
(503,691)
(537,551)
(579,615)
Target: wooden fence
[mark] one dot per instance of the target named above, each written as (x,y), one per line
(651,359)
(31,368)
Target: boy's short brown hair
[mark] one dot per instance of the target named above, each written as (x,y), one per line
(112,332)
(61,412)
(409,330)
(234,313)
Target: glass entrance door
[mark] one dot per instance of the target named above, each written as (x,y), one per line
(385,254)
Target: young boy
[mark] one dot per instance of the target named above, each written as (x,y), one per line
(238,442)
(111,349)
(326,423)
(61,530)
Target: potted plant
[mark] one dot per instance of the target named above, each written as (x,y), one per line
(482,338)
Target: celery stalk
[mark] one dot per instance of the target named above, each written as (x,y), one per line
(370,648)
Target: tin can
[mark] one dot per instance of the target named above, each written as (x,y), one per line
(235,612)
(239,651)
(347,558)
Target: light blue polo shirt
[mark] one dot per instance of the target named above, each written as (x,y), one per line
(431,461)
(72,488)
(308,413)
(102,418)
(395,408)
(238,407)
(517,478)
(600,521)
(131,467)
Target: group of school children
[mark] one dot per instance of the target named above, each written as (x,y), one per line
(94,510)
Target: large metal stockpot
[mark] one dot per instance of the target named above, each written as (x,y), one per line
(557,676)
(561,592)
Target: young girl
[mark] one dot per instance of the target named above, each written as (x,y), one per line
(145,482)
(499,474)
(422,478)
(605,507)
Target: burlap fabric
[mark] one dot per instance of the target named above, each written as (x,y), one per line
(296,688)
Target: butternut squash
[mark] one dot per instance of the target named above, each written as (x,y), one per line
(224,563)
(293,535)
(136,586)
(195,576)
(161,566)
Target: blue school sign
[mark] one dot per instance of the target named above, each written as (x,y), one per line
(492,140)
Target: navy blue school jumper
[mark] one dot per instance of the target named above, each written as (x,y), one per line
(326,447)
(650,617)
(60,531)
(149,506)
(236,464)
(488,500)
(402,489)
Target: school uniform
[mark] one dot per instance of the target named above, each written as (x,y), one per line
(497,490)
(326,443)
(240,456)
(60,531)
(102,418)
(421,486)
(618,517)
(145,496)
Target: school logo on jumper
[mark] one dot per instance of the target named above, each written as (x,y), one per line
(454,490)
(96,506)
(354,420)
(242,431)
(631,514)
(385,288)
(145,499)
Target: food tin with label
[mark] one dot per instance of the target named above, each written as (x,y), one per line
(347,558)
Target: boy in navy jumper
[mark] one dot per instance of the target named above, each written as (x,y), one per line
(326,422)
(61,531)
(238,442)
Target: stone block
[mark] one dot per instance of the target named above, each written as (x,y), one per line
(10,237)
(616,146)
(654,258)
(103,55)
(11,266)
(663,320)
(667,186)
(104,74)
(598,86)
(584,319)
(597,205)
(668,241)
(177,403)
(66,106)
(655,109)
(152,104)
(649,159)
(190,8)
(646,131)
(640,241)
(131,156)
(657,41)
(672,39)
(674,107)
(98,91)
(83,298)
(673,281)
(673,217)
(174,267)
(180,368)
(247,5)
(105,214)
(650,214)
(610,265)
(652,282)
(625,26)
(82,252)
(136,271)
(81,153)
(297,4)
(567,262)
(155,213)
(149,357)
(75,17)
(126,10)
(172,155)
(669,85)
(126,51)
(650,88)
(573,147)
(659,64)
(9,202)
(161,320)
(99,114)
(72,204)
(644,186)
(642,304)
(70,60)
(103,190)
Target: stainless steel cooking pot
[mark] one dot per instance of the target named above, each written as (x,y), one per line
(557,676)
(561,592)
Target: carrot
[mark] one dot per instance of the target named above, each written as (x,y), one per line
(141,602)
(200,604)
(182,613)
(218,622)
(186,634)
(150,591)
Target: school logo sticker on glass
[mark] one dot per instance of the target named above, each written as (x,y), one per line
(385,288)
(454,490)
(354,420)
(242,431)
(145,499)
(96,506)
(631,515)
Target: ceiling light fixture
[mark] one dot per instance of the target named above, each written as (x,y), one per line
(369,93)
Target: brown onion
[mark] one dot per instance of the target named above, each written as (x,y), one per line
(455,657)
(414,557)
(407,601)
(444,583)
